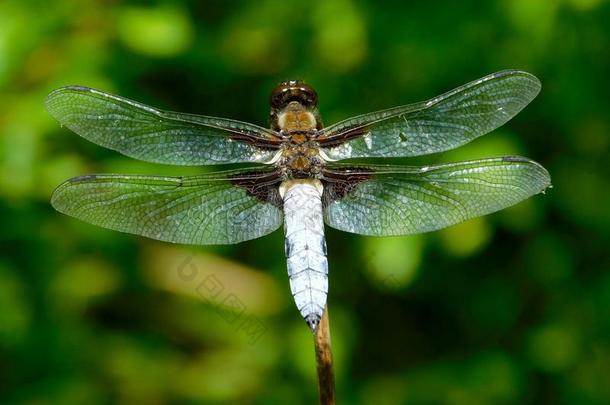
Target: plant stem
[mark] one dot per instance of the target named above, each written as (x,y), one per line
(324,361)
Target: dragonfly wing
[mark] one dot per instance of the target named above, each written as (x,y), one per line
(153,135)
(399,200)
(218,208)
(442,123)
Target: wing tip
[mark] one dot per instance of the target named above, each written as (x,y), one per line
(56,94)
(51,98)
(545,176)
(537,85)
(513,72)
(70,88)
(58,197)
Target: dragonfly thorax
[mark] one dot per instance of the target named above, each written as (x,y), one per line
(298,126)
(296,118)
(300,160)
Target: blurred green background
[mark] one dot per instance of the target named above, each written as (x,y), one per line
(510,308)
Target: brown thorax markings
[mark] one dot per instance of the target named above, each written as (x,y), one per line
(295,116)
(300,160)
(300,153)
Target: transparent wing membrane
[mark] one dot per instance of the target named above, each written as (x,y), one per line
(442,123)
(219,208)
(395,200)
(153,135)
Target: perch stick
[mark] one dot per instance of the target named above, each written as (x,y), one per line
(324,361)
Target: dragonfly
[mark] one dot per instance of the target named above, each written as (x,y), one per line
(303,175)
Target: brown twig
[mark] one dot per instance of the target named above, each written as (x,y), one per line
(324,361)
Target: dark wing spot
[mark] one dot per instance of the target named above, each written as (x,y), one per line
(339,182)
(258,140)
(327,141)
(515,159)
(264,186)
(85,177)
(80,88)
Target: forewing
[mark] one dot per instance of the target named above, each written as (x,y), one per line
(153,135)
(436,125)
(219,208)
(395,200)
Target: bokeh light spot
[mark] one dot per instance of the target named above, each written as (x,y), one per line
(82,281)
(160,31)
(466,238)
(392,263)
(340,36)
(553,347)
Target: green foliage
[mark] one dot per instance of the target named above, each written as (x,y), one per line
(510,308)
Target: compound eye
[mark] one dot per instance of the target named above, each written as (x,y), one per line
(278,96)
(309,96)
(293,90)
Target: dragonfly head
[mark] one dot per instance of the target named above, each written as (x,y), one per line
(292,95)
(293,90)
